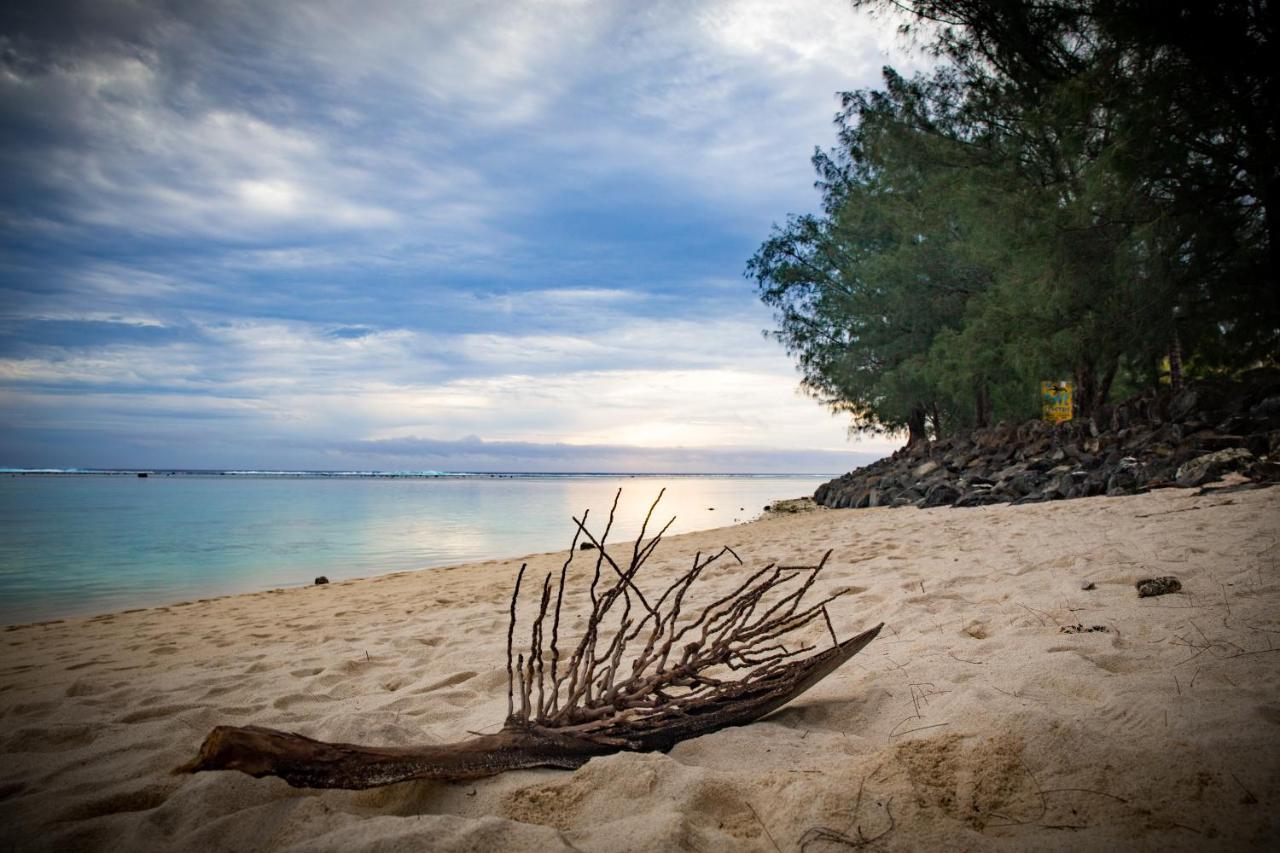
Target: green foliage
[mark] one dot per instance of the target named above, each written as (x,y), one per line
(1078,186)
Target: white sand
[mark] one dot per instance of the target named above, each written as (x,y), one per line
(973,721)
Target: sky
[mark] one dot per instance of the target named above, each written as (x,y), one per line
(457,236)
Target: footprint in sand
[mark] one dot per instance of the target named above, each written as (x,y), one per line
(158,713)
(54,738)
(284,703)
(1270,713)
(88,663)
(140,800)
(450,681)
(260,666)
(83,687)
(1115,664)
(32,709)
(213,692)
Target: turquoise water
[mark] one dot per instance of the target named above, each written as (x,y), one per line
(75,545)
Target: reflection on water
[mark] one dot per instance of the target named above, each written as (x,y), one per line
(76,545)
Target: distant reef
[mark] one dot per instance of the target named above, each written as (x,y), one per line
(1188,438)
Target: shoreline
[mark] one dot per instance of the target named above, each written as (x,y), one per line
(976,719)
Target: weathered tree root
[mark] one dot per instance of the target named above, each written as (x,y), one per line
(677,687)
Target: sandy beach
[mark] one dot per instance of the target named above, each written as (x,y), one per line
(988,714)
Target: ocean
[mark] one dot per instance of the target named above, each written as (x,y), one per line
(85,543)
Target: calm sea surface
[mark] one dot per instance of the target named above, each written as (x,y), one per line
(73,545)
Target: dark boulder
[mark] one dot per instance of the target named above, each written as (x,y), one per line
(941,494)
(978,498)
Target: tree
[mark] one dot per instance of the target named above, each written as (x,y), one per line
(1014,216)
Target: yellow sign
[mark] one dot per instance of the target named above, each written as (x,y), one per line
(1055,401)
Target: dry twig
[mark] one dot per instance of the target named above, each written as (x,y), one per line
(642,676)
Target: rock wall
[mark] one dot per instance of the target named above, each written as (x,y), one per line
(1187,439)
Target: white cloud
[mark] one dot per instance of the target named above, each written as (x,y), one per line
(298,379)
(336,147)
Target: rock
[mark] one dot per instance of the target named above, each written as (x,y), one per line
(925,469)
(1011,471)
(1211,466)
(940,494)
(1268,408)
(1124,480)
(1149,587)
(793,505)
(1267,472)
(907,497)
(1184,404)
(1079,628)
(1024,484)
(1137,444)
(1072,484)
(587,546)
(977,498)
(321,580)
(1217,441)
(1088,585)
(1235,425)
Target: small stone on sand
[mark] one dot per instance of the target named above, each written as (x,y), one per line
(1158,586)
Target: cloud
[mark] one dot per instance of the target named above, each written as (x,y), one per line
(313,382)
(473,454)
(327,224)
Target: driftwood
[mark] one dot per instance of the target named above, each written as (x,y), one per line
(721,665)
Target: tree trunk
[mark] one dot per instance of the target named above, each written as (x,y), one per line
(1086,390)
(1104,390)
(916,431)
(1175,361)
(982,405)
